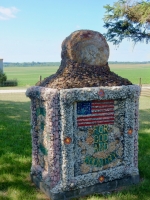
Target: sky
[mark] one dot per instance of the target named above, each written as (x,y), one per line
(33,30)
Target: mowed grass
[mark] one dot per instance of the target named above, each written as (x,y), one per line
(29,76)
(15,153)
(15,149)
(133,72)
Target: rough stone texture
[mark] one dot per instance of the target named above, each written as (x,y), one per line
(77,75)
(85,46)
(98,188)
(45,135)
(84,63)
(84,123)
(60,168)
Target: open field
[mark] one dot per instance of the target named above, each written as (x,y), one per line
(28,76)
(133,72)
(15,153)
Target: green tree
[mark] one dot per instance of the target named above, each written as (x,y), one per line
(128,19)
(3,77)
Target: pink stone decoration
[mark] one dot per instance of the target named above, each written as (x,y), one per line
(101,93)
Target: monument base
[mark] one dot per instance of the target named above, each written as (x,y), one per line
(94,189)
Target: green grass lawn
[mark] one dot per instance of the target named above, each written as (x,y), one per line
(15,149)
(28,76)
(15,153)
(133,72)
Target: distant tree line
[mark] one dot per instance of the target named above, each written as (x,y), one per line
(50,64)
(30,64)
(116,62)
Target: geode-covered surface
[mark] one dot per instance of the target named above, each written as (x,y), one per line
(84,123)
(84,63)
(70,154)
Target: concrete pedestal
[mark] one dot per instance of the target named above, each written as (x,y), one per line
(84,140)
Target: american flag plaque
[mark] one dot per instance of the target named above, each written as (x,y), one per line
(95,120)
(96,112)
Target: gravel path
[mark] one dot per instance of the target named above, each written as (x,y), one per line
(12,91)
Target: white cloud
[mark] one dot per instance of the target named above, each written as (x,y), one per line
(8,13)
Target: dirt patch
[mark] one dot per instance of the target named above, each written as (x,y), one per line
(75,75)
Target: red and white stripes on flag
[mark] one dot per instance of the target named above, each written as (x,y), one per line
(91,113)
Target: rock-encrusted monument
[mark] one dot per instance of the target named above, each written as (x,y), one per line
(84,123)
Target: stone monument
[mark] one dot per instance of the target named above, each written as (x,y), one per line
(84,123)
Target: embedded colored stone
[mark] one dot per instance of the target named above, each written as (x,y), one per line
(130,131)
(101,93)
(67,140)
(101,179)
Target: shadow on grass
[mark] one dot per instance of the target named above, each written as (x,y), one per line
(15,152)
